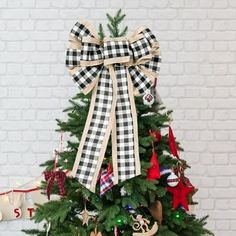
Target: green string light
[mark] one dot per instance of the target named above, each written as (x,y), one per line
(177,215)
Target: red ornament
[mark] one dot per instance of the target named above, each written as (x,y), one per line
(156,135)
(172,144)
(180,193)
(154,171)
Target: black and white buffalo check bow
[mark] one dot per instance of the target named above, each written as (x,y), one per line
(115,69)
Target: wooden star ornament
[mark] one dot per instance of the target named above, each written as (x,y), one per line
(180,193)
(85,216)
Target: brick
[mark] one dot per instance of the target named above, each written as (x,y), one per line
(221,14)
(221,92)
(221,57)
(27,24)
(44,13)
(221,159)
(53,25)
(207,135)
(193,14)
(223,225)
(28,3)
(162,13)
(15,14)
(222,182)
(73,14)
(221,35)
(153,3)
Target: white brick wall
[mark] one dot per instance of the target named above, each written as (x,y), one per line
(198,41)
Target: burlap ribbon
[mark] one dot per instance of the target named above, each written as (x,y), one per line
(115,69)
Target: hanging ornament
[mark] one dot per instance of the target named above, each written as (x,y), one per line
(55,175)
(153,172)
(180,193)
(172,143)
(106,180)
(141,224)
(148,98)
(85,216)
(156,211)
(172,180)
(156,135)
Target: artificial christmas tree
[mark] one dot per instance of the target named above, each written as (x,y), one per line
(114,188)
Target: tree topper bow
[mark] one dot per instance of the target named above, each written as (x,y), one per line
(115,69)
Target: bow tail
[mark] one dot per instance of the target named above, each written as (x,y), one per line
(123,132)
(96,132)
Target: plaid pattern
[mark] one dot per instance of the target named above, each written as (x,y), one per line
(73,57)
(149,36)
(98,127)
(91,52)
(85,76)
(154,64)
(60,177)
(106,182)
(124,126)
(103,104)
(79,30)
(114,49)
(140,80)
(140,48)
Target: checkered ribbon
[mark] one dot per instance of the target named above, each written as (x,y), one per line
(106,181)
(59,177)
(115,69)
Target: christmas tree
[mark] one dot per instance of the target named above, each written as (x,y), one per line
(155,197)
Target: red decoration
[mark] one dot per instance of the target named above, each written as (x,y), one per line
(180,193)
(60,177)
(154,171)
(172,144)
(156,135)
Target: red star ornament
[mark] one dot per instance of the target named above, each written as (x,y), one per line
(180,193)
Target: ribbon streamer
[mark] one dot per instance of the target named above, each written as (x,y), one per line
(115,70)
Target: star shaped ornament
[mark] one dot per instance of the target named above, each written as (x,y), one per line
(180,193)
(85,216)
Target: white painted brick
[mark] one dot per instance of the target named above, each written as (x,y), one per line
(153,4)
(222,225)
(15,14)
(222,182)
(221,35)
(28,69)
(28,3)
(75,14)
(3,3)
(232,69)
(162,13)
(197,80)
(13,25)
(221,14)
(221,135)
(27,25)
(208,204)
